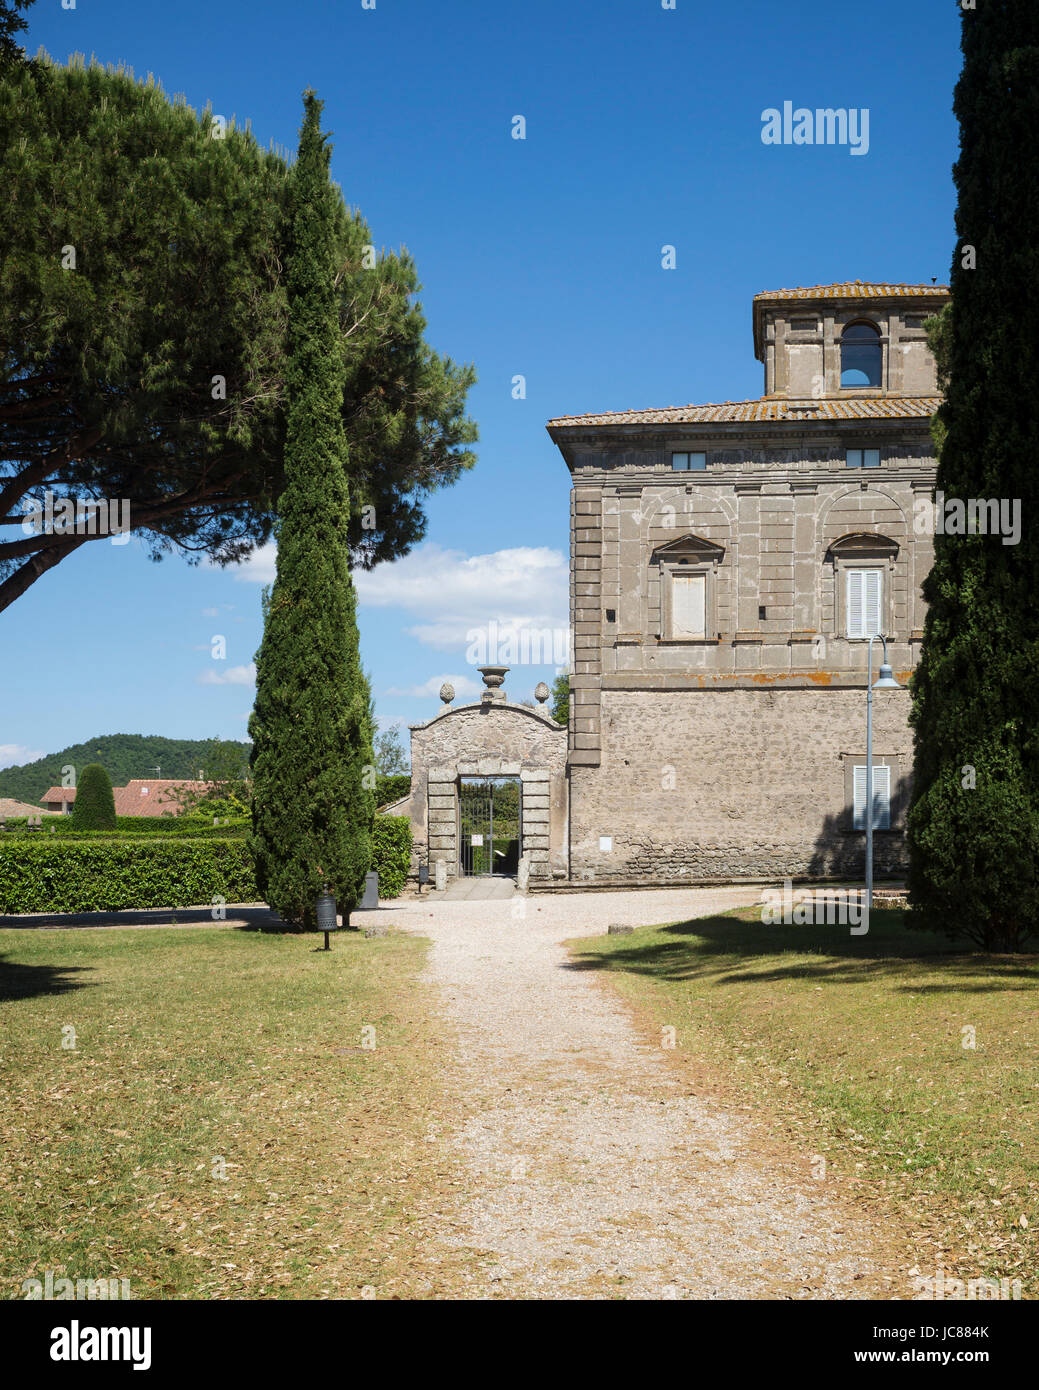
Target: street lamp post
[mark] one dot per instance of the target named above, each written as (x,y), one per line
(885,681)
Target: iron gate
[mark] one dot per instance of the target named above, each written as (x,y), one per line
(489,825)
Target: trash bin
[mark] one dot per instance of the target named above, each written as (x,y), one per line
(370,901)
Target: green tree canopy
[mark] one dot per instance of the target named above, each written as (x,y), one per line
(561,698)
(11,23)
(312,722)
(144,330)
(974,821)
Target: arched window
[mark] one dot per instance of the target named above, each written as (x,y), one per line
(861,356)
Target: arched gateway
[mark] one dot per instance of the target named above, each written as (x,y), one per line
(489,788)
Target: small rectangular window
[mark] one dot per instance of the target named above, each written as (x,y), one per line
(862,458)
(686,463)
(881,797)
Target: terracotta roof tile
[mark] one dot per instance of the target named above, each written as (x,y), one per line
(9,807)
(142,796)
(59,794)
(853,289)
(763,410)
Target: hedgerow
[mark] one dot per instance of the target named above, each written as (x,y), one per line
(106,873)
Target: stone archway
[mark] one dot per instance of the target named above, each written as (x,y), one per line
(489,739)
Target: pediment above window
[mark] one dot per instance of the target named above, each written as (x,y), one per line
(689,548)
(859,545)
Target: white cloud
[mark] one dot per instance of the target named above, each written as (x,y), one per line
(450,593)
(14,754)
(211,612)
(258,568)
(454,593)
(234,675)
(463,686)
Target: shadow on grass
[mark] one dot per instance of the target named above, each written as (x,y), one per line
(732,950)
(19,981)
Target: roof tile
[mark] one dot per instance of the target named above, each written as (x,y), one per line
(763,410)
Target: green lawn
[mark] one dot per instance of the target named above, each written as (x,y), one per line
(201,1051)
(856,1043)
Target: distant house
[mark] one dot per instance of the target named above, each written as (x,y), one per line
(142,796)
(8,807)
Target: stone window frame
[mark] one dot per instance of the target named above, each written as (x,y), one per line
(898,799)
(688,555)
(863,550)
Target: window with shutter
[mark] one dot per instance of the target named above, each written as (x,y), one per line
(881,797)
(689,605)
(864,594)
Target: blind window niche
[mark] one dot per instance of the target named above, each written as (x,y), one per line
(689,605)
(881,797)
(863,601)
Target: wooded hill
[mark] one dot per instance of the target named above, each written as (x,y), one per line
(121,755)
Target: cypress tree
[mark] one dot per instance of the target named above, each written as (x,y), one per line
(311,757)
(974,820)
(94,806)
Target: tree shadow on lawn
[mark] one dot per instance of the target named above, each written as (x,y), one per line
(19,981)
(722,950)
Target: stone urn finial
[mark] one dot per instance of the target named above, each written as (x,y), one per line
(493,679)
(447,692)
(541,692)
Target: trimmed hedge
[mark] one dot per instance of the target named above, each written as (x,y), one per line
(132,827)
(51,875)
(102,873)
(391,853)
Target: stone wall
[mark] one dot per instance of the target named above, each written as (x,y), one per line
(489,739)
(734,784)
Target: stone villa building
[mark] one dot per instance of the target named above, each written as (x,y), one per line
(728,565)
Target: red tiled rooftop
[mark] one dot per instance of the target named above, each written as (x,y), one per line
(142,796)
(852,289)
(764,409)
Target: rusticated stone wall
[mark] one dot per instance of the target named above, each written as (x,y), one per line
(735,784)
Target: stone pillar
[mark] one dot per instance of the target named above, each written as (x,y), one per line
(443,819)
(536,814)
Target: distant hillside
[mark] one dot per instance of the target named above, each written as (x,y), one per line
(121,755)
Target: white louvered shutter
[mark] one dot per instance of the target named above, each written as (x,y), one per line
(881,797)
(855,603)
(871,584)
(689,605)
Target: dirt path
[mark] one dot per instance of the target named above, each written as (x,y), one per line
(594,1172)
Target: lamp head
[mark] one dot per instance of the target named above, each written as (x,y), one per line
(886,681)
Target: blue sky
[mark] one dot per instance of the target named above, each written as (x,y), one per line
(539,257)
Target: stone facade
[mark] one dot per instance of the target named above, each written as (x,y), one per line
(490,739)
(725,561)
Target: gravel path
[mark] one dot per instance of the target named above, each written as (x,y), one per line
(594,1172)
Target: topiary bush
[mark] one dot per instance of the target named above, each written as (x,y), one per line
(94,807)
